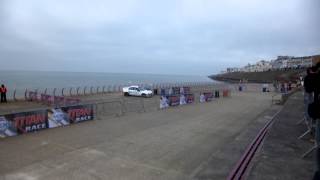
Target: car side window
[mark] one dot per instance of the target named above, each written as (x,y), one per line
(132,88)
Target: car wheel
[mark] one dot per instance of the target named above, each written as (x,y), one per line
(143,95)
(126,94)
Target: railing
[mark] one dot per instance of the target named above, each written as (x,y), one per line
(16,95)
(239,170)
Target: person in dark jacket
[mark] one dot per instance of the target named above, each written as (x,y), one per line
(309,80)
(315,109)
(308,91)
(317,83)
(3,91)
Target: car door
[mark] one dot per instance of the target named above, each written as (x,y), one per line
(137,92)
(131,91)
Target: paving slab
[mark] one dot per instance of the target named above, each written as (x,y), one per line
(280,155)
(184,142)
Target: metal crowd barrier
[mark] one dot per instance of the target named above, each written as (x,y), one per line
(101,109)
(16,95)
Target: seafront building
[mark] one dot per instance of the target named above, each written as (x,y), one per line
(282,62)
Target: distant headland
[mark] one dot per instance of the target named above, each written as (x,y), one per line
(284,68)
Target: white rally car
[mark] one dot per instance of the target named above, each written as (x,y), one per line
(136,91)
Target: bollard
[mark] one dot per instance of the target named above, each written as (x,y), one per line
(84,90)
(14,95)
(62,92)
(78,88)
(36,91)
(25,95)
(54,91)
(91,90)
(70,91)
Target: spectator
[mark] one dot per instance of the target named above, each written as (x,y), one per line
(286,87)
(181,90)
(182,99)
(289,86)
(317,82)
(308,90)
(3,91)
(314,112)
(202,98)
(170,91)
(163,102)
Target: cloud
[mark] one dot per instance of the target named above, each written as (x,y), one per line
(168,37)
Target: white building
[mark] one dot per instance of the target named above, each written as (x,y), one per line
(300,62)
(282,62)
(230,70)
(249,68)
(262,66)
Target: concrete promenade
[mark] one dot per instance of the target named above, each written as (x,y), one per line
(198,141)
(280,155)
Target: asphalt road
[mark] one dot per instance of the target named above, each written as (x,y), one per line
(199,141)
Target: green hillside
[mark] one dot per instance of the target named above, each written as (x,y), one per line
(260,77)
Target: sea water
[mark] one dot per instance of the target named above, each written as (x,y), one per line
(32,80)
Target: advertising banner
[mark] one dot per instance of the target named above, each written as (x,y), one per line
(20,123)
(7,127)
(189,98)
(25,122)
(46,99)
(164,102)
(58,100)
(30,121)
(186,90)
(57,117)
(71,101)
(32,96)
(175,90)
(174,100)
(206,97)
(79,113)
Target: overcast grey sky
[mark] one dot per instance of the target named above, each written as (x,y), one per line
(163,37)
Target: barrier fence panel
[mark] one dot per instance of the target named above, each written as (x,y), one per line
(150,104)
(86,90)
(133,105)
(30,121)
(91,90)
(111,108)
(123,105)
